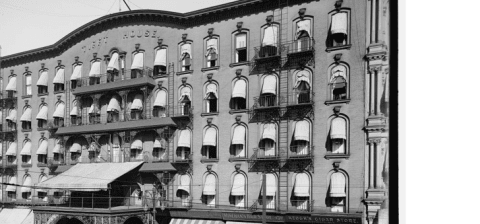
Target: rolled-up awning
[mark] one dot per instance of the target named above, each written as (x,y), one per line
(271,183)
(43,179)
(269,131)
(27,114)
(76,147)
(137,143)
(16,215)
(27,149)
(113,63)
(95,69)
(196,221)
(43,148)
(270,36)
(113,105)
(137,103)
(209,187)
(339,71)
(12,116)
(239,135)
(211,89)
(12,149)
(338,130)
(90,177)
(77,72)
(303,25)
(240,89)
(137,61)
(161,57)
(302,185)
(337,185)
(26,186)
(11,187)
(210,138)
(160,143)
(212,46)
(302,76)
(43,113)
(184,183)
(184,50)
(339,23)
(269,84)
(186,93)
(302,131)
(59,111)
(238,187)
(59,76)
(12,84)
(58,147)
(43,79)
(156,167)
(184,138)
(160,99)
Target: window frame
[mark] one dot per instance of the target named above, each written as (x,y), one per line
(155,110)
(76,82)
(330,42)
(205,198)
(56,86)
(157,73)
(41,123)
(275,142)
(331,99)
(26,159)
(182,67)
(30,122)
(245,197)
(27,75)
(295,199)
(328,199)
(205,58)
(329,153)
(292,135)
(277,41)
(207,102)
(206,150)
(45,156)
(181,105)
(41,88)
(233,149)
(184,156)
(233,104)
(277,88)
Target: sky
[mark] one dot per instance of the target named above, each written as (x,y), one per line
(30,24)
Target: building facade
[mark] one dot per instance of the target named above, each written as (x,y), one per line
(151,116)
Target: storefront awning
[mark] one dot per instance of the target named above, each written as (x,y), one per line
(26,186)
(195,221)
(156,167)
(43,113)
(15,215)
(269,131)
(43,148)
(113,63)
(12,149)
(269,85)
(210,138)
(184,138)
(161,57)
(89,177)
(302,131)
(59,76)
(339,23)
(77,72)
(137,103)
(338,129)
(240,89)
(184,183)
(11,187)
(27,149)
(12,116)
(137,61)
(209,187)
(59,111)
(12,84)
(238,187)
(238,135)
(95,69)
(43,79)
(30,219)
(27,114)
(160,99)
(301,185)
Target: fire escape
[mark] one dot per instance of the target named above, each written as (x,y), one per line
(8,135)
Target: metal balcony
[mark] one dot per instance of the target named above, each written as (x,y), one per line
(300,104)
(262,160)
(299,52)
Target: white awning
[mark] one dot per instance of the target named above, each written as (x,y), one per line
(210,137)
(1,148)
(160,99)
(95,69)
(12,116)
(137,143)
(338,129)
(304,25)
(12,84)
(159,143)
(1,115)
(302,131)
(212,46)
(58,147)
(113,63)
(137,61)
(114,105)
(186,92)
(339,23)
(76,146)
(241,40)
(337,185)
(270,36)
(59,76)
(43,79)
(137,103)
(184,138)
(184,50)
(43,179)
(16,216)
(269,131)
(238,187)
(302,76)
(26,186)
(271,183)
(209,187)
(59,111)
(301,185)
(43,148)
(240,89)
(337,71)
(43,113)
(27,114)
(90,176)
(161,57)
(74,111)
(239,135)
(269,84)
(77,72)
(12,187)
(211,89)
(12,149)
(184,183)
(27,149)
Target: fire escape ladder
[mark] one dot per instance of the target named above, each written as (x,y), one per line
(283,190)
(67,119)
(171,88)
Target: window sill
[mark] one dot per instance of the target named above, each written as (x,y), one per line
(161,75)
(237,159)
(344,47)
(333,102)
(210,68)
(59,91)
(209,160)
(238,111)
(26,165)
(42,94)
(337,156)
(26,130)
(185,72)
(209,114)
(239,64)
(41,164)
(26,96)
(41,129)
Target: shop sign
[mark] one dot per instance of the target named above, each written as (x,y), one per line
(323,219)
(196,214)
(251,217)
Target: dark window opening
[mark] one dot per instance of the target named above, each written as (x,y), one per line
(58,121)
(339,89)
(26,125)
(159,111)
(94,80)
(159,70)
(268,100)
(239,103)
(42,89)
(57,87)
(42,123)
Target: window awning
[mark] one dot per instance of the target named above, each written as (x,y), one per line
(58,147)
(161,57)
(77,72)
(89,177)
(271,183)
(186,92)
(113,63)
(269,131)
(12,149)
(44,178)
(43,113)
(137,103)
(241,40)
(302,185)
(209,187)
(337,185)
(113,105)
(303,25)
(12,187)
(339,23)
(12,84)
(212,46)
(302,131)
(76,146)
(184,183)
(1,148)
(156,167)
(338,129)
(74,111)
(12,116)
(184,138)
(27,114)
(1,115)
(302,76)
(211,89)
(137,143)
(59,111)
(59,76)
(95,69)
(15,215)
(210,137)
(339,71)
(240,89)
(43,148)
(160,99)
(93,109)
(239,135)
(270,36)
(43,79)
(269,84)
(238,187)
(197,221)
(26,186)
(27,149)
(137,61)
(184,50)
(160,143)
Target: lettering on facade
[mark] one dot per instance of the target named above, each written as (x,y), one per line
(139,34)
(95,44)
(251,217)
(323,219)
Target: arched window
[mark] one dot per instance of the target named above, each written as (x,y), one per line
(239,189)
(184,189)
(12,119)
(75,113)
(136,147)
(11,189)
(185,55)
(58,151)
(303,34)
(113,109)
(59,114)
(185,100)
(338,82)
(337,192)
(184,144)
(210,143)
(338,34)
(271,191)
(338,135)
(113,66)
(268,139)
(26,187)
(28,84)
(42,116)
(11,151)
(239,94)
(42,82)
(301,139)
(211,98)
(1,85)
(160,63)
(42,193)
(270,40)
(26,118)
(239,141)
(159,151)
(302,87)
(301,192)
(211,51)
(240,46)
(42,151)
(209,190)
(95,71)
(26,152)
(116,150)
(75,146)
(136,105)
(268,94)
(59,79)
(137,64)
(11,87)
(160,103)
(76,77)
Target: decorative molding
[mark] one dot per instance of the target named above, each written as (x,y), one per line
(11,71)
(338,4)
(159,41)
(210,32)
(336,110)
(238,119)
(238,72)
(337,58)
(184,81)
(209,77)
(269,19)
(209,121)
(237,167)
(184,37)
(301,12)
(239,26)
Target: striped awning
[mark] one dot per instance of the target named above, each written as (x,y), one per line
(43,148)
(185,50)
(137,143)
(338,129)
(59,111)
(43,113)
(27,114)
(302,131)
(43,79)
(60,76)
(195,221)
(137,61)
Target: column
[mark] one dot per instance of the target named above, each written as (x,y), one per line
(372,92)
(379,91)
(371,163)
